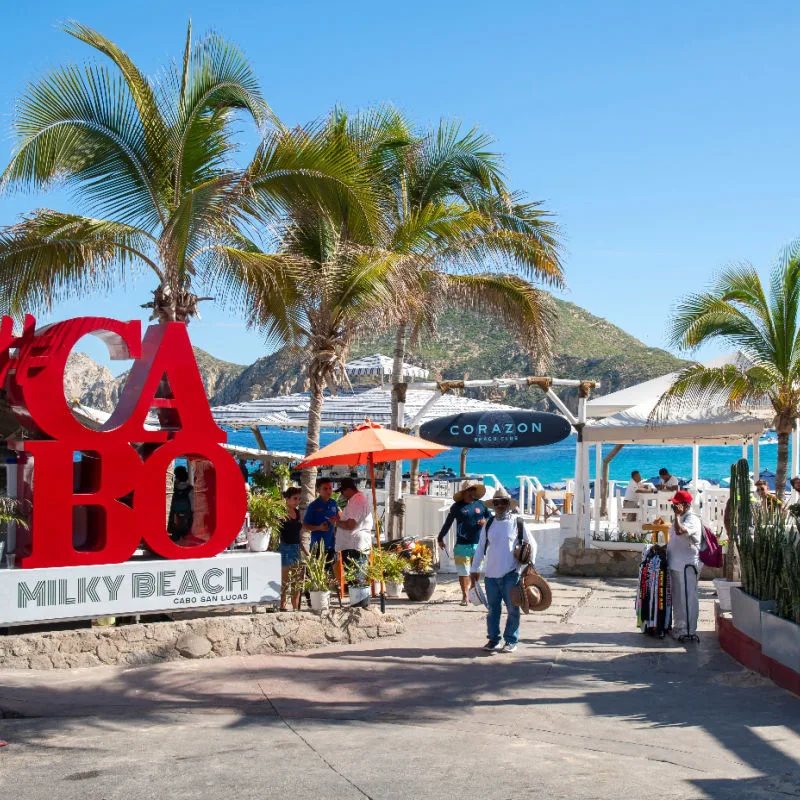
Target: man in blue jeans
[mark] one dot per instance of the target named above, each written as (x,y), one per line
(497,541)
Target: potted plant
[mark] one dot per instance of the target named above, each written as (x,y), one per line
(11,510)
(388,567)
(357,575)
(266,509)
(420,579)
(317,578)
(393,567)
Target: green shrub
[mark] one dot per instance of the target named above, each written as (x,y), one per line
(317,577)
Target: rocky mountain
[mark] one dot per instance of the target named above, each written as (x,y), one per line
(89,382)
(465,346)
(279,373)
(96,387)
(586,347)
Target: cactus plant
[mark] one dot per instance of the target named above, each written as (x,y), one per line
(789,594)
(739,513)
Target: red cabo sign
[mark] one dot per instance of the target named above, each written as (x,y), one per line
(116,495)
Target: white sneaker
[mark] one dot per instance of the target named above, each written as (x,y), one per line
(509,648)
(493,647)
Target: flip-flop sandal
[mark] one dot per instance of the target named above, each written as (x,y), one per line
(464,603)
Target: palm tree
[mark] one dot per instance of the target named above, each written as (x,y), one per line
(313,275)
(475,244)
(153,160)
(763,324)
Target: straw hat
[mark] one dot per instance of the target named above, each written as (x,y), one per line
(502,494)
(532,593)
(480,490)
(533,580)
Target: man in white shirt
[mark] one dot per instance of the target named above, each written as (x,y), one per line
(354,527)
(669,483)
(497,541)
(683,560)
(636,486)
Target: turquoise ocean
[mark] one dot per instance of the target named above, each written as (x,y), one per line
(555,462)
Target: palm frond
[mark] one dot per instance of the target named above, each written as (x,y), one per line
(80,126)
(141,91)
(311,170)
(214,80)
(527,311)
(50,256)
(697,386)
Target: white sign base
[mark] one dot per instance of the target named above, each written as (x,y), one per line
(29,596)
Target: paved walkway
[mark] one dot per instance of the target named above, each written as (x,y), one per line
(585,708)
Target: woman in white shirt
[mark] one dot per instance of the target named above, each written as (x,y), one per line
(497,542)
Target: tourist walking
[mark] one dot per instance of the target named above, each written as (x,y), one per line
(290,550)
(320,519)
(470,515)
(498,540)
(354,527)
(683,559)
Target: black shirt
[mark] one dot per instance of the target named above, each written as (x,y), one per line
(290,529)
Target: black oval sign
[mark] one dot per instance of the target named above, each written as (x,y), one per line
(497,429)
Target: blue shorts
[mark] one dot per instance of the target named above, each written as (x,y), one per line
(290,554)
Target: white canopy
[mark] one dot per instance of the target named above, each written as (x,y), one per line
(649,392)
(717,426)
(382,365)
(345,409)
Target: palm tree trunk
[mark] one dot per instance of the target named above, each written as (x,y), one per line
(783,429)
(394,468)
(308,476)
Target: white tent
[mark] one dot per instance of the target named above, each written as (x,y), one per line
(707,426)
(717,426)
(346,409)
(382,365)
(648,393)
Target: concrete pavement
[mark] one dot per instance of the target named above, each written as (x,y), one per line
(587,707)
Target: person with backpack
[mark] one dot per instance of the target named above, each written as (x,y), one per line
(181,509)
(502,542)
(683,560)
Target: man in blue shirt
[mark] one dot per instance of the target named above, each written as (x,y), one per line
(321,517)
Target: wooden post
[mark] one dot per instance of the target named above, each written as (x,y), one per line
(463,466)
(604,482)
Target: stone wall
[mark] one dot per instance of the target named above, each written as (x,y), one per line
(597,562)
(592,562)
(204,637)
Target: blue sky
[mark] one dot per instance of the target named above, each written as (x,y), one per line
(664,136)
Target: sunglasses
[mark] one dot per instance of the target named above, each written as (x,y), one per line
(501,502)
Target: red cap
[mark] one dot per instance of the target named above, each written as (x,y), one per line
(682,497)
